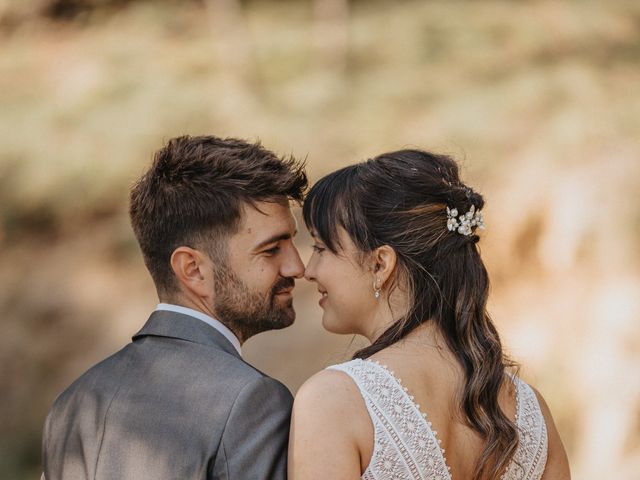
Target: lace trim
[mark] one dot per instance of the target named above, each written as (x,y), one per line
(417,408)
(530,457)
(407,448)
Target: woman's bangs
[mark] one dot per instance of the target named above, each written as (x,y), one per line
(324,209)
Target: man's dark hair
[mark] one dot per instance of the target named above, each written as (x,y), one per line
(194,192)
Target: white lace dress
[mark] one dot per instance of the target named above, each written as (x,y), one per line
(406,447)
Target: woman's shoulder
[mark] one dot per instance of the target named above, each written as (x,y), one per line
(330,404)
(329,387)
(330,429)
(330,377)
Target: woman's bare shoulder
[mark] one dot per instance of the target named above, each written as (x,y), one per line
(328,426)
(327,392)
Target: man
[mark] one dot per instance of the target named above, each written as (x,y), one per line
(213,222)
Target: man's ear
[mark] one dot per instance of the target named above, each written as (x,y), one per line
(192,270)
(384,261)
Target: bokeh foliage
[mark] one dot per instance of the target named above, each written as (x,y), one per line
(538,100)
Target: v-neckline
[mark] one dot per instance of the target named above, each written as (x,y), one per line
(411,399)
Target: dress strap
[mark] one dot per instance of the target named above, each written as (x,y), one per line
(531,455)
(405,444)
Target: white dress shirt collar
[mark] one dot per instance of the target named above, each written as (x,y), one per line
(219,326)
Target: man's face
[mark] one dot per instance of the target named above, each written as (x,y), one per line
(253,288)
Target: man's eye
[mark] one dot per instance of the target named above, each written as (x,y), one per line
(272,251)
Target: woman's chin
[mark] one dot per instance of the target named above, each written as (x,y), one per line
(333,325)
(327,324)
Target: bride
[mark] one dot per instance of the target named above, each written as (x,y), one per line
(433,396)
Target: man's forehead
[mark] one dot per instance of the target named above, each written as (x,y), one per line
(266,219)
(264,213)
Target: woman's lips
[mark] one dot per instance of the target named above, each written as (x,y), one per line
(322,298)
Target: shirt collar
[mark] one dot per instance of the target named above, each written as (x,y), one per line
(217,324)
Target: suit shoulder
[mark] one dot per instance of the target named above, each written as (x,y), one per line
(237,372)
(93,378)
(262,400)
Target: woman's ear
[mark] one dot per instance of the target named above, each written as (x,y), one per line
(384,261)
(190,268)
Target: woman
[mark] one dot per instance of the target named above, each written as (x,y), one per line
(395,260)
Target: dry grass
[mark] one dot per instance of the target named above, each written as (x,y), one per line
(538,100)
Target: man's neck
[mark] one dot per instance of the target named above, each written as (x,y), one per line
(206,318)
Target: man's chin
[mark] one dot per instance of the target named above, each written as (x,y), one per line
(285,319)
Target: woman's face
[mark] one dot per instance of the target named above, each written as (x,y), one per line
(346,287)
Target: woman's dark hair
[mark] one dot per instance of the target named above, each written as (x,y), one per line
(194,192)
(399,199)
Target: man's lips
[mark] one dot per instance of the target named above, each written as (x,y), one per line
(284,286)
(285,291)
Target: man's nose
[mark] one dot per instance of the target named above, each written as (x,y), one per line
(293,267)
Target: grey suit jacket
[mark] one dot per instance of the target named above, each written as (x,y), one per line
(176,403)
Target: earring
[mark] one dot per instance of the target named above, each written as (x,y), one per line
(376,288)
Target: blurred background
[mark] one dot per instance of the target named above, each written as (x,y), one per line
(538,100)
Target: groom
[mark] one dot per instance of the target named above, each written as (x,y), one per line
(213,222)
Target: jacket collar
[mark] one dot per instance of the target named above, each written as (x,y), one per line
(168,324)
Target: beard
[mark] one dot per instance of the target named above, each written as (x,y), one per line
(248,312)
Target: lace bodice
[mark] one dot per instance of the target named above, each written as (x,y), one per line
(407,448)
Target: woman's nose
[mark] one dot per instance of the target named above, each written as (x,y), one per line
(309,271)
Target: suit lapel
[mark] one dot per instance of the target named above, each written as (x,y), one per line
(168,324)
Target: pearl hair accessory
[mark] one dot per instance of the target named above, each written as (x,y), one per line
(465,223)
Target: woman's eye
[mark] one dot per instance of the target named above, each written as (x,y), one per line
(318,249)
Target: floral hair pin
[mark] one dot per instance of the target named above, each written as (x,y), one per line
(465,223)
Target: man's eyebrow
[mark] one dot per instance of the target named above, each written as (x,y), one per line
(274,239)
